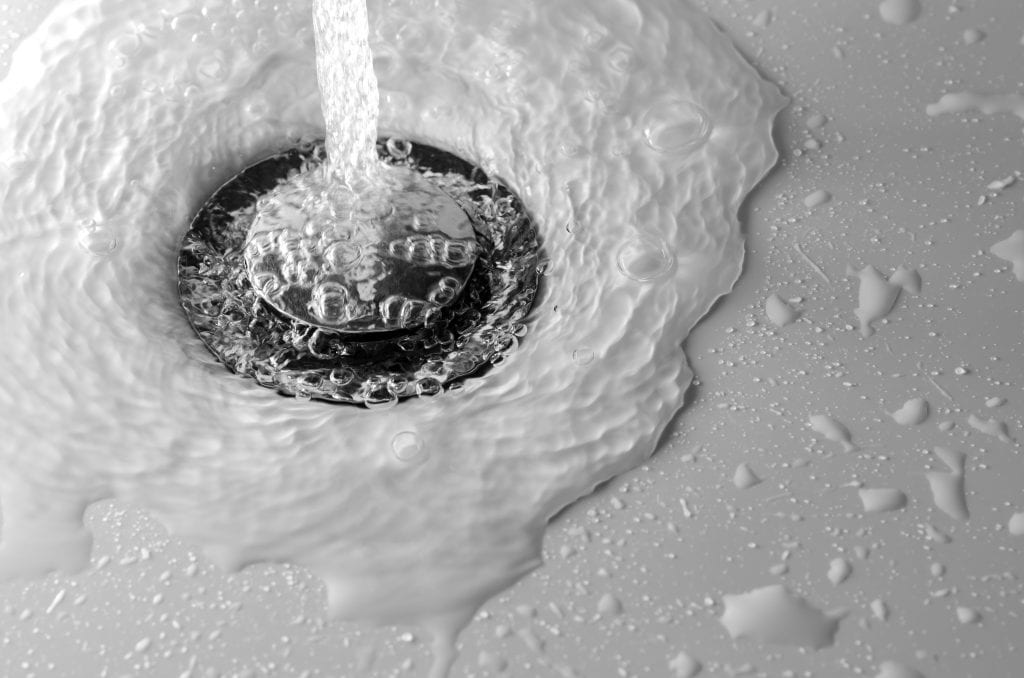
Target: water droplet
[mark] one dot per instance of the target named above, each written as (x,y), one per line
(267,284)
(211,68)
(378,401)
(398,385)
(444,291)
(428,387)
(407,446)
(97,240)
(391,309)
(421,250)
(126,45)
(340,376)
(899,12)
(399,148)
(676,126)
(620,59)
(330,303)
(583,356)
(341,255)
(458,253)
(644,259)
(186,22)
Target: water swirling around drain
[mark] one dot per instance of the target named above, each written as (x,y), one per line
(404,516)
(252,338)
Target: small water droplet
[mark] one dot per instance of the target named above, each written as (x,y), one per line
(340,376)
(676,126)
(330,303)
(620,59)
(583,356)
(645,258)
(381,402)
(399,148)
(408,447)
(429,387)
(444,291)
(97,240)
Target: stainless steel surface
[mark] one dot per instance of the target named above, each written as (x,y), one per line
(353,263)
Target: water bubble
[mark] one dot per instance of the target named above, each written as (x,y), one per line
(413,312)
(398,385)
(341,255)
(186,22)
(126,45)
(257,107)
(676,126)
(645,258)
(433,366)
(267,284)
(330,303)
(97,240)
(399,148)
(583,356)
(458,253)
(461,362)
(341,376)
(444,291)
(407,446)
(309,382)
(391,309)
(428,387)
(421,250)
(298,269)
(399,249)
(431,316)
(620,59)
(380,401)
(211,68)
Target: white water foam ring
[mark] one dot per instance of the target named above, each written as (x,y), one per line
(127,409)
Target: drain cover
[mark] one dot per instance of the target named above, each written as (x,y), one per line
(363,345)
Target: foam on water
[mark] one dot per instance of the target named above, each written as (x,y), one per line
(120,117)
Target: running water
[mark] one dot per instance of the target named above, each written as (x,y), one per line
(348,88)
(120,117)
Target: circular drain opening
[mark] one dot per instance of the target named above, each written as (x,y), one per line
(254,339)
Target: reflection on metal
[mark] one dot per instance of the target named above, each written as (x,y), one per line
(386,260)
(343,336)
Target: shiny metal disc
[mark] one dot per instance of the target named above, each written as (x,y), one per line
(384,260)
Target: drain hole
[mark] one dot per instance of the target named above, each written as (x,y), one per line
(477,327)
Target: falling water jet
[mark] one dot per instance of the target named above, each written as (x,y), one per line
(355,244)
(359,279)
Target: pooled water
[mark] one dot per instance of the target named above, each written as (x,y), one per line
(913,413)
(774,614)
(126,115)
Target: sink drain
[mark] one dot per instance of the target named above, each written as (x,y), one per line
(375,357)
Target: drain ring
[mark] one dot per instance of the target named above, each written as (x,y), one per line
(249,337)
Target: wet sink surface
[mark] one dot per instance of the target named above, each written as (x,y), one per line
(637,574)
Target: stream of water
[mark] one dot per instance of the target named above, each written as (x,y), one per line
(631,130)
